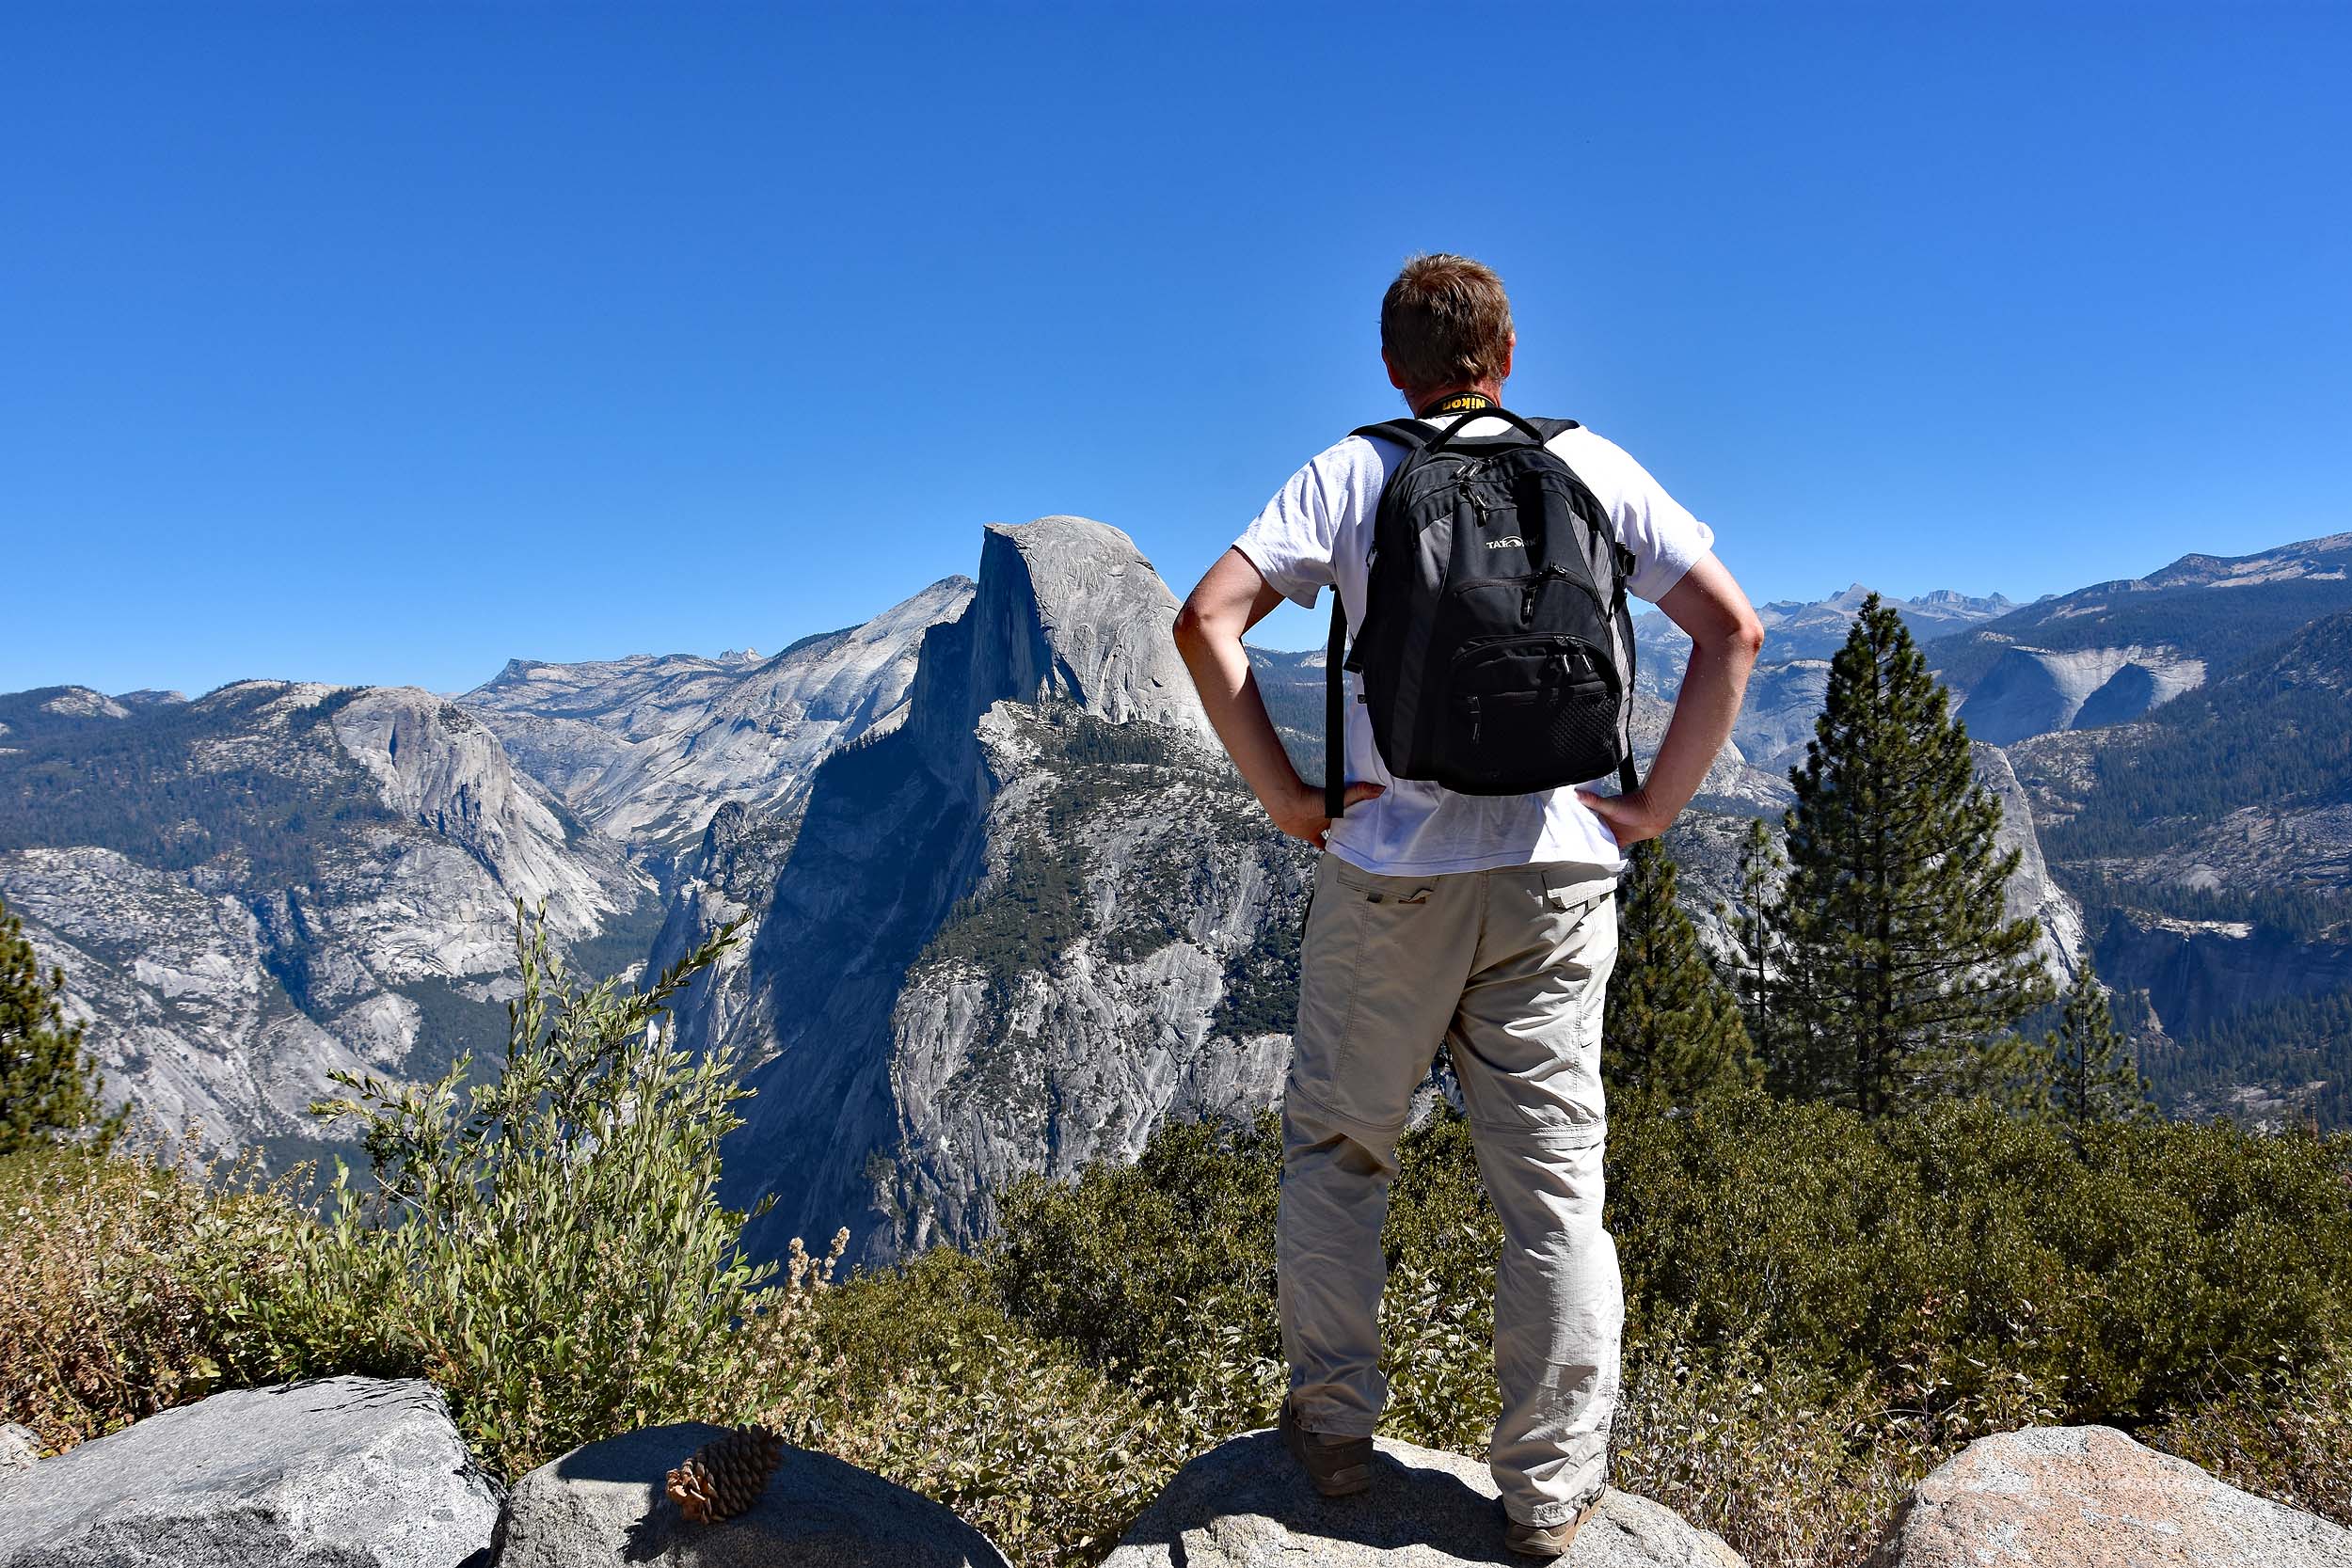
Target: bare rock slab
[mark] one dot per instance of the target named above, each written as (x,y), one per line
(1244,1504)
(346,1472)
(603,1504)
(19,1449)
(2091,1498)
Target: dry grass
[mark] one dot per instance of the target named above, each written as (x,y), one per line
(126,1287)
(1765,1460)
(1794,1466)
(2287,1439)
(108,1267)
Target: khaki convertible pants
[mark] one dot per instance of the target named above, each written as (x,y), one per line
(1507,967)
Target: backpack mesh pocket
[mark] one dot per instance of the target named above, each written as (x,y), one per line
(1584,727)
(1528,714)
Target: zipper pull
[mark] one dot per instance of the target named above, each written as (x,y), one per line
(1473,707)
(1527,605)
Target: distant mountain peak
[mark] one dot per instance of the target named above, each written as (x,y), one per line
(1951,599)
(649,746)
(80,701)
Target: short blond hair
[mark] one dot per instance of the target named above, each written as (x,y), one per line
(1446,321)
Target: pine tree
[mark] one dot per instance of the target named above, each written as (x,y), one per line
(2092,1077)
(1751,923)
(48,1083)
(1671,1031)
(1903,973)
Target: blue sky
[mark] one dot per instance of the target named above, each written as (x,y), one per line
(383,342)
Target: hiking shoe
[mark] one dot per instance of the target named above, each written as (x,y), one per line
(1337,1465)
(1545,1541)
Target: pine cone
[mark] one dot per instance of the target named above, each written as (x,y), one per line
(726,1475)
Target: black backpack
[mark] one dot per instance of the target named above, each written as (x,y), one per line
(1496,653)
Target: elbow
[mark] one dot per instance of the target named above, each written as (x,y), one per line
(1736,640)
(1747,636)
(1192,628)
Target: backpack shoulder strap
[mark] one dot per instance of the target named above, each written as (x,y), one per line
(1410,433)
(1549,429)
(1335,714)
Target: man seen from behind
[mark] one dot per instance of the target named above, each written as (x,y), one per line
(1485,921)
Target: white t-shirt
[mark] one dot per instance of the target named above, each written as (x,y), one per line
(1317,531)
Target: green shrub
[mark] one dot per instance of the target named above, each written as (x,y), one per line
(1945,1252)
(1044,1456)
(1146,1267)
(546,1245)
(939,1389)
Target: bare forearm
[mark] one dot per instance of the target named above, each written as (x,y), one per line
(1712,687)
(1726,636)
(1237,710)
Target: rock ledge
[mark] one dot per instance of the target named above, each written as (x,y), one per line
(2091,1498)
(603,1504)
(1244,1505)
(353,1471)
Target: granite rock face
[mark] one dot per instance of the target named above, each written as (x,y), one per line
(1777,715)
(332,886)
(2091,1498)
(2031,692)
(437,767)
(1733,785)
(603,1505)
(648,748)
(1013,933)
(19,1449)
(347,1472)
(1069,610)
(2032,893)
(1244,1504)
(185,1018)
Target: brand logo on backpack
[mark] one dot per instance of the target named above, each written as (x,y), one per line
(1508,542)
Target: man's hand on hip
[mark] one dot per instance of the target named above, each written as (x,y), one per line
(1299,812)
(1630,818)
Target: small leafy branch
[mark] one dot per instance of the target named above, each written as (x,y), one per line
(547,1243)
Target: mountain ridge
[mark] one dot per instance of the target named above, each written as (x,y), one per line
(1008,905)
(280,880)
(648,748)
